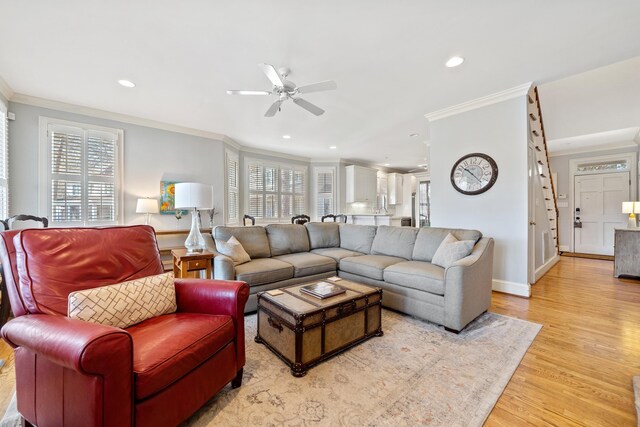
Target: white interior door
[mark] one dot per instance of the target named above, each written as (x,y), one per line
(598,204)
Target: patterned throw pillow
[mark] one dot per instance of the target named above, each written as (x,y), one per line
(451,250)
(234,250)
(126,303)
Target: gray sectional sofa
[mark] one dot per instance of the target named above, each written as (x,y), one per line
(397,259)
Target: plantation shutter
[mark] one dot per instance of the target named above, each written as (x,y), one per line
(325,192)
(66,174)
(299,192)
(256,188)
(83,173)
(4,163)
(232,189)
(286,190)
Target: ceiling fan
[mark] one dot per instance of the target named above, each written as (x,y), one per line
(285,89)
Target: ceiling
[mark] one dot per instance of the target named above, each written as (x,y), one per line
(386,57)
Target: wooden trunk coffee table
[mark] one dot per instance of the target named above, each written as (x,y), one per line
(304,330)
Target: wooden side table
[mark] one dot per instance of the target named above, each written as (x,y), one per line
(190,265)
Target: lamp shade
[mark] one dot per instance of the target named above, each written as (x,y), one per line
(627,207)
(636,208)
(191,195)
(147,206)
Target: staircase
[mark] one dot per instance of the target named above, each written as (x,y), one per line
(536,128)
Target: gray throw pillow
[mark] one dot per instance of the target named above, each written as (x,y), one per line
(452,250)
(234,250)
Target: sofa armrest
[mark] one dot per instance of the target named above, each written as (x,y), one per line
(216,297)
(85,347)
(52,350)
(223,268)
(468,284)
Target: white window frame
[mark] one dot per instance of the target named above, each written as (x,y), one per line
(44,173)
(4,180)
(229,190)
(317,171)
(248,162)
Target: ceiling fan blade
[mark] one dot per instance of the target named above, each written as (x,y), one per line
(248,92)
(313,109)
(318,87)
(273,109)
(272,74)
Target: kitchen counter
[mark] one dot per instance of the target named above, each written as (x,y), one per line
(369,219)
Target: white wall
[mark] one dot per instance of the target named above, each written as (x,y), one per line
(499,130)
(150,156)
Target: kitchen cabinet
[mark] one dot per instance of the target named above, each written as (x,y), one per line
(394,188)
(361,184)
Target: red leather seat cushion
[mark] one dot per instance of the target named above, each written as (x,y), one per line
(168,347)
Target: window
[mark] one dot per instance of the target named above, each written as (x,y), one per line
(325,191)
(81,186)
(4,163)
(232,214)
(275,192)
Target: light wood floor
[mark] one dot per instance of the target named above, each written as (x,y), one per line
(578,370)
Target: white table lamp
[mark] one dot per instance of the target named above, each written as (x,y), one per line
(194,196)
(147,207)
(630,208)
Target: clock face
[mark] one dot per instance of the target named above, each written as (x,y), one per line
(474,174)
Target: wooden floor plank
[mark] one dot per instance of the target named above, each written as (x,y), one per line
(578,370)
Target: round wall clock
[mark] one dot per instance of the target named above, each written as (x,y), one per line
(474,174)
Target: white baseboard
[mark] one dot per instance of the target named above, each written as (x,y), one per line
(542,270)
(513,288)
(563,248)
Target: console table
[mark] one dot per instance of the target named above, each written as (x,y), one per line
(627,252)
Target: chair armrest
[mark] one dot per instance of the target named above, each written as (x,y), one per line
(85,347)
(215,297)
(223,268)
(468,284)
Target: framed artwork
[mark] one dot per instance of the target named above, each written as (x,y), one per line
(167,197)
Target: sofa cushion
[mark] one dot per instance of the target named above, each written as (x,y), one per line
(168,347)
(336,253)
(419,275)
(125,304)
(394,241)
(233,249)
(429,239)
(307,264)
(323,234)
(371,266)
(264,270)
(357,237)
(287,239)
(253,239)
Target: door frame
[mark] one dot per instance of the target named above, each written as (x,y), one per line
(631,159)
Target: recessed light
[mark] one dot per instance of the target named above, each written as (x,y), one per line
(386,164)
(286,136)
(454,61)
(333,147)
(126,83)
(413,135)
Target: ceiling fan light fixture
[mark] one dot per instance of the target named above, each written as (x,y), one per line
(454,61)
(386,164)
(126,83)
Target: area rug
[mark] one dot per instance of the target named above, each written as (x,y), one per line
(415,374)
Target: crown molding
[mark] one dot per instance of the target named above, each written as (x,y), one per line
(232,143)
(253,150)
(593,149)
(108,115)
(494,98)
(5,89)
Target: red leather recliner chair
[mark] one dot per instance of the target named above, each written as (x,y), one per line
(75,373)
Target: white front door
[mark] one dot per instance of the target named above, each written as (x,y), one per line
(598,206)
